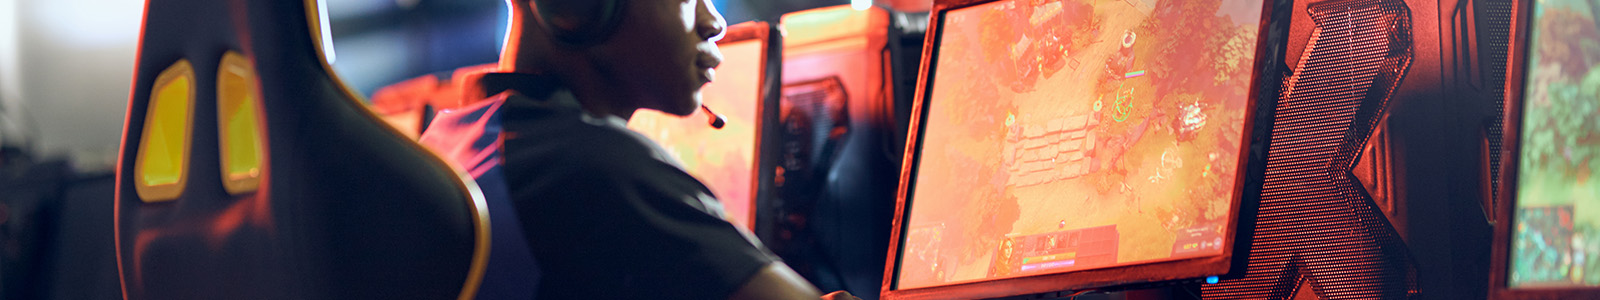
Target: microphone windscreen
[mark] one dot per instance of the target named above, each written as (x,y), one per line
(717,121)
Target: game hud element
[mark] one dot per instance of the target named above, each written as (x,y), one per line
(1056,251)
(724,158)
(1075,134)
(1555,241)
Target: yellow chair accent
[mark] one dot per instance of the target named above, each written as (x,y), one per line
(239,124)
(164,153)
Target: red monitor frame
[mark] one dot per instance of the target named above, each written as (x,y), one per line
(1230,263)
(1510,157)
(767,124)
(766,111)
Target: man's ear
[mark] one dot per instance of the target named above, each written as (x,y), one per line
(528,45)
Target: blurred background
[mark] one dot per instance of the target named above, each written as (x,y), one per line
(65,71)
(66,65)
(66,68)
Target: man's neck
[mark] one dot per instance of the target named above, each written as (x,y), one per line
(546,88)
(596,99)
(602,101)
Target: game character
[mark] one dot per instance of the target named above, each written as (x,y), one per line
(1191,118)
(1051,49)
(1120,62)
(1002,265)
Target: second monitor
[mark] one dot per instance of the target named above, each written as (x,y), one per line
(1066,145)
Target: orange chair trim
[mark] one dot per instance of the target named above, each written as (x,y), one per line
(480,210)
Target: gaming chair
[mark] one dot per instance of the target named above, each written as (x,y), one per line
(248,170)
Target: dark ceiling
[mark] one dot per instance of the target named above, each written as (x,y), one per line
(381,42)
(767,10)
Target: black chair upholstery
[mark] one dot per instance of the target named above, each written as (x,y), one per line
(341,206)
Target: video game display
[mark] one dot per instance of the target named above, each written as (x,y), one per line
(723,159)
(1556,233)
(1065,135)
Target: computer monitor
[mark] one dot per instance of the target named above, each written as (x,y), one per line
(1073,145)
(728,159)
(1547,244)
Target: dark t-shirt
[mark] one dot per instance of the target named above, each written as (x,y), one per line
(608,215)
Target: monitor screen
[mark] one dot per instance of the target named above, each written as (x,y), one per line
(724,159)
(1555,238)
(1072,135)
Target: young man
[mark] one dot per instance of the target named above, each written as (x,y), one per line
(603,210)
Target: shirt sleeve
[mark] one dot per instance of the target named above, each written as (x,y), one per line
(625,229)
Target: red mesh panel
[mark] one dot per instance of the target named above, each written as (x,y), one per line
(1496,24)
(1316,224)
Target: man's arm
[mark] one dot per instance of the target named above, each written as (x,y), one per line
(778,282)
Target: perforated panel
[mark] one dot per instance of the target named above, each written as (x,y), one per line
(1495,24)
(1317,226)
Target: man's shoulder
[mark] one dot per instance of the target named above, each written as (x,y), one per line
(553,149)
(552,137)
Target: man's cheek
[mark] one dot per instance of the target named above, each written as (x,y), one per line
(686,13)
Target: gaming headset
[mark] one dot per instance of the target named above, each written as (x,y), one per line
(579,22)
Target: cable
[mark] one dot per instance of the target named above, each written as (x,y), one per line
(30,130)
(6,121)
(1074,295)
(3,117)
(886,106)
(1191,293)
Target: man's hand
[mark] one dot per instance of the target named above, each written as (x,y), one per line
(776,282)
(840,295)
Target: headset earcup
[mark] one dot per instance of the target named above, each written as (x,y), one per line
(579,22)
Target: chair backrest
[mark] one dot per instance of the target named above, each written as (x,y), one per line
(248,170)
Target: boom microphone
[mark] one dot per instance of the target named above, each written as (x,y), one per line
(716,120)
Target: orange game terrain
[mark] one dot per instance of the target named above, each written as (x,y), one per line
(1079,134)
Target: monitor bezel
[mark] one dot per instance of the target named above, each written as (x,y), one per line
(1510,158)
(767,94)
(1267,73)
